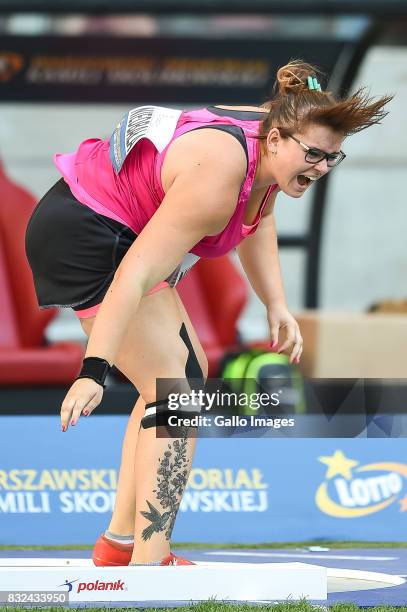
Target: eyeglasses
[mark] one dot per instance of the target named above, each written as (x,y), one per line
(313,155)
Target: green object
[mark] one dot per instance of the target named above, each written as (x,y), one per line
(256,371)
(313,84)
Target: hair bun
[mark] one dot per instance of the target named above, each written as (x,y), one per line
(293,77)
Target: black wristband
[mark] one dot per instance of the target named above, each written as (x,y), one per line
(95,368)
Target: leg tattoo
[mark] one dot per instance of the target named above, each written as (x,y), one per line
(173,469)
(172,476)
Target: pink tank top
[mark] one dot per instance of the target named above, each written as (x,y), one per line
(132,192)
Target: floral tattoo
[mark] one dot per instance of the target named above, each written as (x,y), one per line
(172,476)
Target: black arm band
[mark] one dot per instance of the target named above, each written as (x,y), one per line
(95,368)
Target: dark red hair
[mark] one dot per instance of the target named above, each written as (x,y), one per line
(294,106)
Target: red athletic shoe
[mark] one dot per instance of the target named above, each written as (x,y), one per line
(108,552)
(174,560)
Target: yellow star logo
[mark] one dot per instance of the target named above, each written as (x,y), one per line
(338,464)
(403,503)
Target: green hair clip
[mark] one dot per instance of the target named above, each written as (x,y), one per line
(313,84)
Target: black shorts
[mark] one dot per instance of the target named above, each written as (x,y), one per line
(73,251)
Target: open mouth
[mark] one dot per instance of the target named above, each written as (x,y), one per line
(303,180)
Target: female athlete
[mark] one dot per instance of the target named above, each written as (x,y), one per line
(130,216)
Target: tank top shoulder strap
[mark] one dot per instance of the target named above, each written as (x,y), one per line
(241,124)
(233,130)
(237,114)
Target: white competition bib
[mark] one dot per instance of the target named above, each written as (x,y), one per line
(156,123)
(186,264)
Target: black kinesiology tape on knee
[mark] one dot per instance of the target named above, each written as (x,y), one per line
(192,367)
(156,413)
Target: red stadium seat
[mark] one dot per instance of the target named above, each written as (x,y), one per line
(25,358)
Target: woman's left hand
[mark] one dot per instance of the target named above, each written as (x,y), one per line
(279,318)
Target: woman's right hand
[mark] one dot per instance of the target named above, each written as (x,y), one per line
(82,398)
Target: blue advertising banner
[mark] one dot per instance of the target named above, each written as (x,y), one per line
(59,488)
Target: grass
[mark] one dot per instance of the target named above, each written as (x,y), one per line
(230,546)
(213,606)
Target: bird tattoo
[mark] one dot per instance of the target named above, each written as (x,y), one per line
(158,521)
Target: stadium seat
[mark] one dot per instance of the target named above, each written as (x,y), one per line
(25,358)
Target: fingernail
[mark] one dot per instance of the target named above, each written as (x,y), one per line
(85,413)
(63,428)
(73,423)
(273,344)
